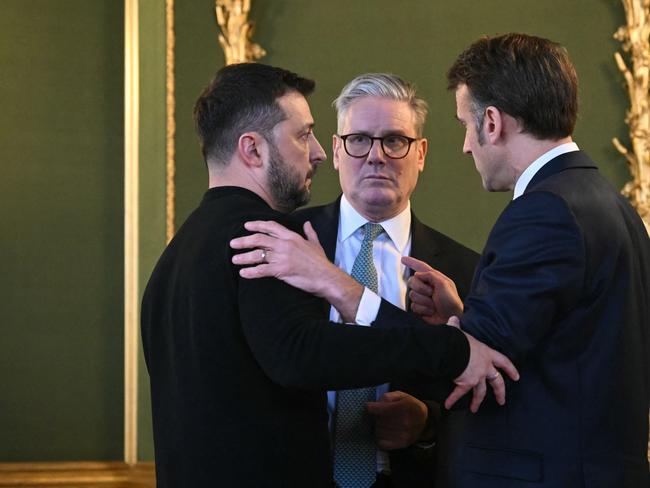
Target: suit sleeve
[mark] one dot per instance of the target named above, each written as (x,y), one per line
(529,277)
(295,347)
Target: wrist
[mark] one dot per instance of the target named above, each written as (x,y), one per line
(342,292)
(428,433)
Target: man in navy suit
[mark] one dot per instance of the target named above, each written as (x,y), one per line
(562,287)
(379,153)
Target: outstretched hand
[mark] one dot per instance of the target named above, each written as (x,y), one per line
(433,295)
(283,254)
(483,367)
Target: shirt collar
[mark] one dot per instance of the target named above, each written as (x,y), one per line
(536,165)
(398,228)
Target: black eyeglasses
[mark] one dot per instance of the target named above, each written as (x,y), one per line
(394,146)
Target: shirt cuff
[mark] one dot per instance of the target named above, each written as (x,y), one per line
(368,308)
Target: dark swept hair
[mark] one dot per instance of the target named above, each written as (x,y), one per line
(527,77)
(241,98)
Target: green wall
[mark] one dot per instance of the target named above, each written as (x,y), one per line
(335,40)
(61,247)
(153,179)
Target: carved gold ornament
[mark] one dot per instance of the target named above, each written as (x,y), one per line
(635,37)
(237,31)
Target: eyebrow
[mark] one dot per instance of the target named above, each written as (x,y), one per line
(309,126)
(389,132)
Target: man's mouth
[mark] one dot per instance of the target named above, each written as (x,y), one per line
(311,173)
(377,177)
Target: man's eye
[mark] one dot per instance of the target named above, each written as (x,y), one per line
(394,141)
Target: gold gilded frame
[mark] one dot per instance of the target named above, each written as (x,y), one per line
(170,103)
(131,227)
(131,203)
(84,474)
(635,36)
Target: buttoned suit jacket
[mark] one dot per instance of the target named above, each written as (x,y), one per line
(239,368)
(563,289)
(413,467)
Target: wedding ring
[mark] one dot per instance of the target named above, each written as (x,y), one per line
(263,255)
(493,376)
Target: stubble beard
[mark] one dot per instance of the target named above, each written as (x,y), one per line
(287,189)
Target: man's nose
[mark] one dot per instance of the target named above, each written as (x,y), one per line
(376,154)
(466,147)
(316,152)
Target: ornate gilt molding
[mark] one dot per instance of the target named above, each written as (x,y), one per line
(237,31)
(635,36)
(88,474)
(131,225)
(170,102)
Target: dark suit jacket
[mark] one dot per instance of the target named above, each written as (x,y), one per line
(239,368)
(412,467)
(563,289)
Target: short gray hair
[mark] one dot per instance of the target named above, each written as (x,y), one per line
(382,85)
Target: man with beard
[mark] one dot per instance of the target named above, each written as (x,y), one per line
(239,368)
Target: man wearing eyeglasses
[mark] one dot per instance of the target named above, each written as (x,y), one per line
(379,152)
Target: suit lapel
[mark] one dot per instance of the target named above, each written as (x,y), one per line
(422,246)
(326,225)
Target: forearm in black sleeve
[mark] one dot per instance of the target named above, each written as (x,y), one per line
(296,348)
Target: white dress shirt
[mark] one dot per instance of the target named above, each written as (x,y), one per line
(392,275)
(527,175)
